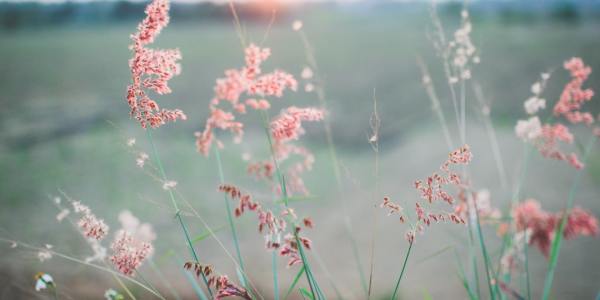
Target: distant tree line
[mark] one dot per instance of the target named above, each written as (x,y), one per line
(35,14)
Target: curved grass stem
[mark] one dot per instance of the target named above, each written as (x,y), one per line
(230,219)
(176,207)
(320,91)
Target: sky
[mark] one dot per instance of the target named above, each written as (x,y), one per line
(195,1)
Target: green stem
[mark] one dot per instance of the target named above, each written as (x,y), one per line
(306,267)
(473,260)
(558,236)
(230,218)
(333,155)
(176,207)
(282,184)
(394,295)
(190,277)
(275,280)
(122,284)
(463,278)
(294,282)
(486,258)
(527,281)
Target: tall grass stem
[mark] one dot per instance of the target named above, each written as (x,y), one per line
(558,236)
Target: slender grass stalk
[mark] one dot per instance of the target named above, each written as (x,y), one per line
(463,111)
(435,254)
(145,281)
(275,279)
(163,279)
(320,90)
(460,114)
(176,207)
(282,184)
(374,141)
(294,282)
(79,261)
(187,236)
(211,232)
(441,45)
(435,102)
(122,284)
(491,132)
(558,236)
(463,137)
(230,217)
(190,277)
(394,295)
(305,294)
(306,267)
(324,269)
(269,27)
(515,199)
(527,281)
(486,257)
(505,245)
(507,242)
(356,254)
(117,279)
(238,25)
(463,278)
(474,264)
(527,152)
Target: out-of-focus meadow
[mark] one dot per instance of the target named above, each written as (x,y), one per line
(64,120)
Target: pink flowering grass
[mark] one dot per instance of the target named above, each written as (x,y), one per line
(151,69)
(452,197)
(240,88)
(547,138)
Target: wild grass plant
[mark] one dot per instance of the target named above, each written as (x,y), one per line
(449,196)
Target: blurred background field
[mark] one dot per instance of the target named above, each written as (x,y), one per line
(64,120)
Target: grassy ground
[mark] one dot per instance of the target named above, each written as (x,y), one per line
(60,86)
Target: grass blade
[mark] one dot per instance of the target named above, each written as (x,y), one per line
(207,234)
(306,294)
(176,207)
(558,236)
(394,295)
(309,277)
(487,262)
(190,277)
(463,278)
(274,271)
(230,219)
(294,282)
